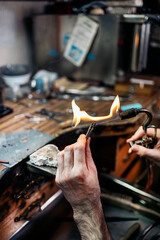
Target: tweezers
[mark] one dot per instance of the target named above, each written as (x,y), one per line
(90,129)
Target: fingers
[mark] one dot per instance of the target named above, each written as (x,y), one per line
(60,161)
(152,132)
(79,152)
(88,150)
(69,157)
(65,161)
(72,155)
(138,150)
(138,134)
(89,159)
(152,154)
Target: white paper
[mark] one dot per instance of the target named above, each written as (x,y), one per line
(81,40)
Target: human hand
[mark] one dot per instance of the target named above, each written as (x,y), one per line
(140,133)
(77,178)
(77,174)
(151,154)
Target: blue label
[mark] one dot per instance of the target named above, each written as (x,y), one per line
(53,52)
(129,106)
(75,53)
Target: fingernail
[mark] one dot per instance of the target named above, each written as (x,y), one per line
(130,150)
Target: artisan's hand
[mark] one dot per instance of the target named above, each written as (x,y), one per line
(152,154)
(140,133)
(77,178)
(77,174)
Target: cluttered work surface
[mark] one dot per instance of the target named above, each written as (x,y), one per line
(37,120)
(53,115)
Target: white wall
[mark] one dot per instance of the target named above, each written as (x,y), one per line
(14,44)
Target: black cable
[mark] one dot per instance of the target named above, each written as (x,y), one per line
(133,112)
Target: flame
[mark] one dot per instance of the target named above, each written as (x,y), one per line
(79,115)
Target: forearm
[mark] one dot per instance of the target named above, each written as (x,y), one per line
(91,223)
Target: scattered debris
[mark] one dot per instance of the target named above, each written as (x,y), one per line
(24,139)
(31,117)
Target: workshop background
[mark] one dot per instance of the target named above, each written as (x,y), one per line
(39,78)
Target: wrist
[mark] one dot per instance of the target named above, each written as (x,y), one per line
(86,209)
(91,218)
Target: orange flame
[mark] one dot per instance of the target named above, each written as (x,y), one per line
(79,115)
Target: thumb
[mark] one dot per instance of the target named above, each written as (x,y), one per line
(138,134)
(89,159)
(152,154)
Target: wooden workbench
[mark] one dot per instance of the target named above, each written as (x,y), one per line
(19,121)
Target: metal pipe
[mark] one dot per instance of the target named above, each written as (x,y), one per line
(133,112)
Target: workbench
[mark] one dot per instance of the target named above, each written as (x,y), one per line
(15,197)
(17,122)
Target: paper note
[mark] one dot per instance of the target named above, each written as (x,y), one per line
(81,40)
